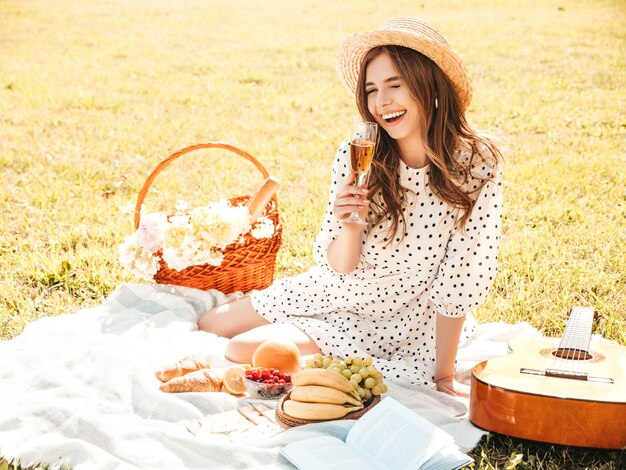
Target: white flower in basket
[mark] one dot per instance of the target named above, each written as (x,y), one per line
(189,238)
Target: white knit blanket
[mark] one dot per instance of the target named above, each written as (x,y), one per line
(79,389)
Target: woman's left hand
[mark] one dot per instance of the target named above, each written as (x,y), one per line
(450,386)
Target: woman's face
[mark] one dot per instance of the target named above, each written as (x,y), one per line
(390,101)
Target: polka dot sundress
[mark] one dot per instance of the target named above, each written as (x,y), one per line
(386,307)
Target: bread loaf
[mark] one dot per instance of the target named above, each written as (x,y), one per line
(257,203)
(183,366)
(203,380)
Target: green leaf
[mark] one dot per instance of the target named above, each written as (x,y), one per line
(514,461)
(65,267)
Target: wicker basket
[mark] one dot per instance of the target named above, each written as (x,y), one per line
(247,265)
(289,421)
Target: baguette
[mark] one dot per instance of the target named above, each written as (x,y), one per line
(183,366)
(203,380)
(257,203)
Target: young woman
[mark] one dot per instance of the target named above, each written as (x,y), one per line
(399,288)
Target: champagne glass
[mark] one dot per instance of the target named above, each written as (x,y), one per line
(362,145)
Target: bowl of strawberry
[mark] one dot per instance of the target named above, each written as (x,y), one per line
(266,383)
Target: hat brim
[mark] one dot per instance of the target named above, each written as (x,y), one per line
(353,49)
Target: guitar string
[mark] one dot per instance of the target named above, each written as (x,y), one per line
(575,359)
(586,317)
(576,346)
(578,364)
(584,337)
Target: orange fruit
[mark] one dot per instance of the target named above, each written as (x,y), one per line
(233,381)
(281,354)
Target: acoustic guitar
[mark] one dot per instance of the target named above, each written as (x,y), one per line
(561,392)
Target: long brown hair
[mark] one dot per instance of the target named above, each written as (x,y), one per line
(444,131)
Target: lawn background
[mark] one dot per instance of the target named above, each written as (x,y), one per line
(93,95)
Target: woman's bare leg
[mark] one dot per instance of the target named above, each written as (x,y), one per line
(231,318)
(241,347)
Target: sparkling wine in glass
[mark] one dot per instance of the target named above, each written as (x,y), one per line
(362,145)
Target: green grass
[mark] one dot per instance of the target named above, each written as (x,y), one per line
(95,94)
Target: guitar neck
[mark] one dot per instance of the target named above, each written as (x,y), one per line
(577,334)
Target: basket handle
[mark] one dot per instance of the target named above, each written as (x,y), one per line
(165,163)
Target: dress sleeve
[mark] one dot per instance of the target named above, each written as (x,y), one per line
(330,226)
(469,265)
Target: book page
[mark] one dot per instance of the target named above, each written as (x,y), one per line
(448,458)
(396,436)
(325,452)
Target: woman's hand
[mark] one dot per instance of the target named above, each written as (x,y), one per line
(447,334)
(344,252)
(349,199)
(450,386)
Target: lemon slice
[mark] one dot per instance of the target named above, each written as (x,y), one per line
(234,381)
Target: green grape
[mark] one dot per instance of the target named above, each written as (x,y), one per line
(361,392)
(368,361)
(356,378)
(363,372)
(383,388)
(357,361)
(336,361)
(336,370)
(347,361)
(310,363)
(318,357)
(376,390)
(368,394)
(355,384)
(317,364)
(326,362)
(347,373)
(369,382)
(371,371)
(355,369)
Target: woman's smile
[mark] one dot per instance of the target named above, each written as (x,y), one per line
(393,117)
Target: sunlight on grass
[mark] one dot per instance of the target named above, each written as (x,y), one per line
(95,95)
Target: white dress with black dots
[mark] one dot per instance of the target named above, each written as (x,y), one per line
(386,306)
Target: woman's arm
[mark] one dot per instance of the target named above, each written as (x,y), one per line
(447,334)
(344,252)
(465,276)
(337,245)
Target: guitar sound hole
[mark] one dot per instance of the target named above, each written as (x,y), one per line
(592,356)
(572,354)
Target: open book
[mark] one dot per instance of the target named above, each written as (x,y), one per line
(388,437)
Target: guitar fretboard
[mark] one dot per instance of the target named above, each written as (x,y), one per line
(577,334)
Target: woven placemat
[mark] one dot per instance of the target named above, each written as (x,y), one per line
(289,421)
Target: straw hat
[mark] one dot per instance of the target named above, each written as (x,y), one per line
(408,32)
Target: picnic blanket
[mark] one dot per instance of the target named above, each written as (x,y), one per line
(79,389)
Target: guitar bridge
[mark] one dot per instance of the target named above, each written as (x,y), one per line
(567,374)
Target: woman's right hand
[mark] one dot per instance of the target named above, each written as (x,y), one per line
(450,386)
(344,252)
(349,199)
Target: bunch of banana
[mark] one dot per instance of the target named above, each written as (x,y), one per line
(321,394)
